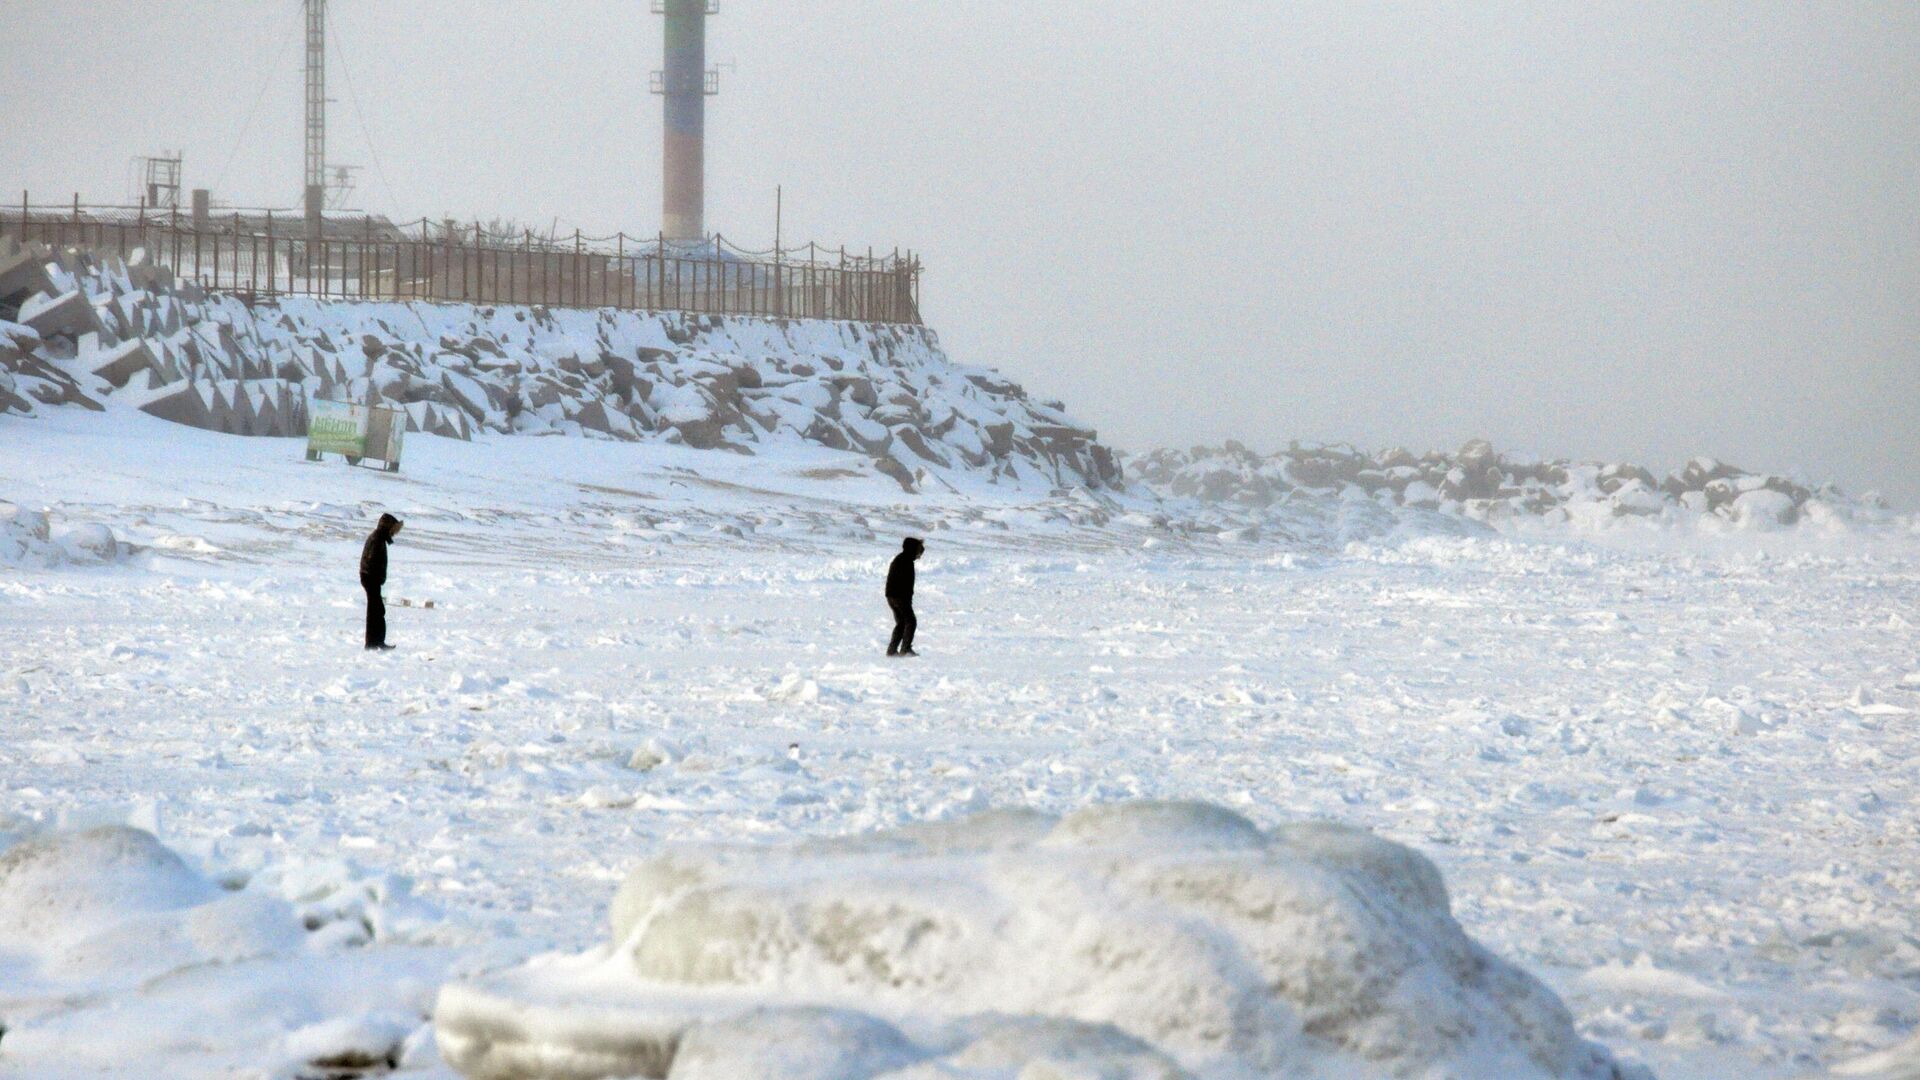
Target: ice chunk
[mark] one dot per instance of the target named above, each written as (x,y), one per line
(1899,1062)
(91,542)
(1764,508)
(1156,825)
(791,1044)
(1123,940)
(68,884)
(349,1044)
(112,906)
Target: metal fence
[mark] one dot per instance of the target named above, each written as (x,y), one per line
(257,255)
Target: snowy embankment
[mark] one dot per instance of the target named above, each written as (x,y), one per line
(92,330)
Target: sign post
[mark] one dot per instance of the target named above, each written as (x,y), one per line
(356,432)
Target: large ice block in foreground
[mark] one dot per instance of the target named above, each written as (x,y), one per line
(1129,941)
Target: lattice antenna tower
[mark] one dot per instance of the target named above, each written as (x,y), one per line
(314,193)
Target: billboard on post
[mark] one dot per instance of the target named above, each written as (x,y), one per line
(335,427)
(358,432)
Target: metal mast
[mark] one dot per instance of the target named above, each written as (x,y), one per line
(315,192)
(685,86)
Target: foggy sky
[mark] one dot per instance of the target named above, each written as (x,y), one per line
(1639,231)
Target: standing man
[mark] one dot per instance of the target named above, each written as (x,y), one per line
(900,597)
(373,575)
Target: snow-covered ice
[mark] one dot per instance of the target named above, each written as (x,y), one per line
(1669,773)
(1144,933)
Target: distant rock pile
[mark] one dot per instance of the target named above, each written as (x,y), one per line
(76,329)
(1480,483)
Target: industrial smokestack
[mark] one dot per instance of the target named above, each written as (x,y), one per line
(684,88)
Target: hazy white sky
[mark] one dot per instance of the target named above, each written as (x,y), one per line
(1606,230)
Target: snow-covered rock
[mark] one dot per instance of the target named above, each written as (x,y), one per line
(1131,939)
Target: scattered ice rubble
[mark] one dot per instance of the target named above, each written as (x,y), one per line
(92,328)
(1131,941)
(27,538)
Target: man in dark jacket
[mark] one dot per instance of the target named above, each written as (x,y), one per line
(900,597)
(373,575)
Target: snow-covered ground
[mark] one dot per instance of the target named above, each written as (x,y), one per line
(1669,772)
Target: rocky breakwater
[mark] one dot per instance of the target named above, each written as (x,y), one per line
(1481,483)
(82,330)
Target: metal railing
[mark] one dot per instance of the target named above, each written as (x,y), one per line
(258,255)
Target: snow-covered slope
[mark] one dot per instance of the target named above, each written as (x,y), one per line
(94,329)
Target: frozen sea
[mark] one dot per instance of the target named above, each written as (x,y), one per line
(1671,773)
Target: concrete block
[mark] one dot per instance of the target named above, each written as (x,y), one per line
(68,314)
(23,271)
(121,362)
(56,387)
(182,403)
(267,419)
(244,417)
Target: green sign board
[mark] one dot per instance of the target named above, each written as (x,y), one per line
(360,432)
(335,427)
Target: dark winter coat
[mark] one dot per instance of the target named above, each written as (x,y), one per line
(900,578)
(373,557)
(900,574)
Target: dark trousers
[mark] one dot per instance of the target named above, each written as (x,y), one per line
(376,616)
(903,625)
